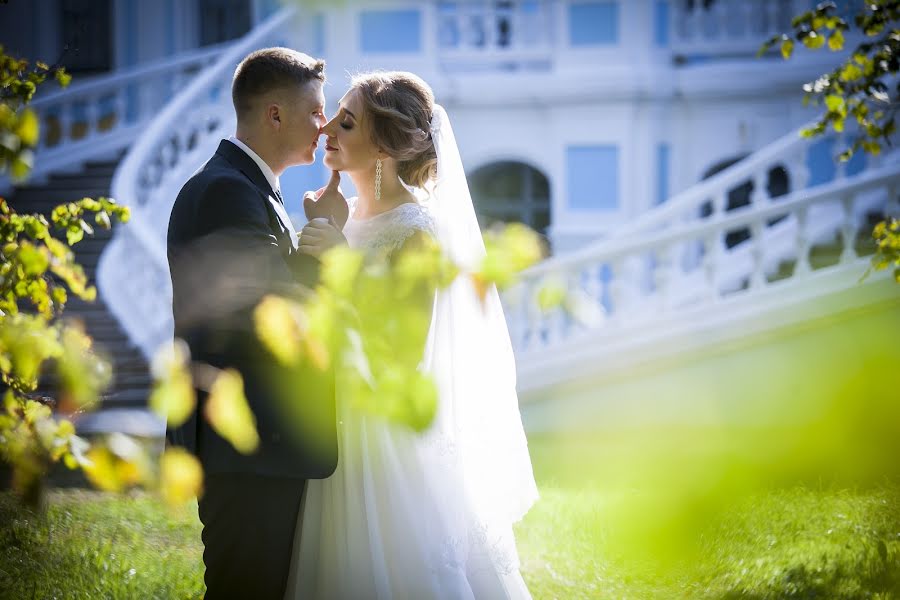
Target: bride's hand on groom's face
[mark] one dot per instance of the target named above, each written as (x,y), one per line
(320,235)
(328,202)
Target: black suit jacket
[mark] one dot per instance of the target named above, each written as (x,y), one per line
(228,248)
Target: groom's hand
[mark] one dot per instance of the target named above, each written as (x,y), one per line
(320,235)
(327,202)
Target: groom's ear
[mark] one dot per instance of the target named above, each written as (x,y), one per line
(273,115)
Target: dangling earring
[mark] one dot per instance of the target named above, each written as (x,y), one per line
(377,180)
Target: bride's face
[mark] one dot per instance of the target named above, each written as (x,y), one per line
(348,145)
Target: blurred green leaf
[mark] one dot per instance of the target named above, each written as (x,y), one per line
(173,397)
(836,41)
(181,476)
(229,414)
(787,48)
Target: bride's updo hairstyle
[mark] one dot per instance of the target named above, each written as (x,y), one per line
(399,107)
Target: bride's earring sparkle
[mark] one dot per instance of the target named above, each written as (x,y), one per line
(377,179)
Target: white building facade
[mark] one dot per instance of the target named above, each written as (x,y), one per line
(660,156)
(572,115)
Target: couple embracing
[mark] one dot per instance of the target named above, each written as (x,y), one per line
(337,504)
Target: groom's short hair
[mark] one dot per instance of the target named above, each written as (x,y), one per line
(269,69)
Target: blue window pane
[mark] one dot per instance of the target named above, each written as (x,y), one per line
(662,173)
(661,22)
(390,31)
(593,176)
(594,24)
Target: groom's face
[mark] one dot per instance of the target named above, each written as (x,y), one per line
(301,122)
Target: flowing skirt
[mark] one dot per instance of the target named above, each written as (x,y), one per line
(395,522)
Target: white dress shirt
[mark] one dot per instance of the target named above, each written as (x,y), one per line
(265,168)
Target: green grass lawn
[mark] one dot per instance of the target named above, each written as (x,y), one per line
(600,530)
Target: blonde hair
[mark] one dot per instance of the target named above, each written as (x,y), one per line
(399,106)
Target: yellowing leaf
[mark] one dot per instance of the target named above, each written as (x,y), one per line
(551,295)
(814,40)
(836,41)
(277,328)
(181,476)
(173,397)
(787,48)
(101,470)
(229,414)
(835,103)
(28,128)
(340,266)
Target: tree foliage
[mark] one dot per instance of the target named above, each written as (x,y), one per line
(863,88)
(38,271)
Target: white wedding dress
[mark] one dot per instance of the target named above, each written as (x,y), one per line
(400,518)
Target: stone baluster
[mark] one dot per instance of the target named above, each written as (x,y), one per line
(801,236)
(693,22)
(119,107)
(718,204)
(663,276)
(64,114)
(712,251)
(91,116)
(760,194)
(849,228)
(618,290)
(799,172)
(593,282)
(535,317)
(720,13)
(757,251)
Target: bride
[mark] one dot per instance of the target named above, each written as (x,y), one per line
(407,515)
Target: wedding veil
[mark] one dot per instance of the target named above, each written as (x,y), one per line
(470,356)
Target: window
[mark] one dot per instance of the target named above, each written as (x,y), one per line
(661,23)
(390,31)
(511,192)
(86,35)
(223,20)
(592,173)
(662,173)
(594,24)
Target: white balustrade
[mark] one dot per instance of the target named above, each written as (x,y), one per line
(133,274)
(491,35)
(691,267)
(99,116)
(728,27)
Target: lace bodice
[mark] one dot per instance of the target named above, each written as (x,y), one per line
(386,232)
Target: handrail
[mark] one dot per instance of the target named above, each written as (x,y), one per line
(118,78)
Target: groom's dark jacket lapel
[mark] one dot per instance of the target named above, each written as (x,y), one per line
(242,161)
(228,247)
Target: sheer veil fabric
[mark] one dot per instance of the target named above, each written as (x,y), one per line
(428,516)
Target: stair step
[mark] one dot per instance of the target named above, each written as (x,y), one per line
(78,182)
(132,379)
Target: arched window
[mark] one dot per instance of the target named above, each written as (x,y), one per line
(509,191)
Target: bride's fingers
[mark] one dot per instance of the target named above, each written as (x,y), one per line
(307,248)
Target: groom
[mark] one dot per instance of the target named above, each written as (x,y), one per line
(230,242)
